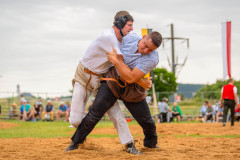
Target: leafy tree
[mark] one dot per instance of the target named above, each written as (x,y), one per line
(164,81)
(213,91)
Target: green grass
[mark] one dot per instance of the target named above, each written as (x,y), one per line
(61,129)
(47,129)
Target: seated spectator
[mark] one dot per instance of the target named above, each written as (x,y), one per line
(14,109)
(203,111)
(47,114)
(26,111)
(237,113)
(62,111)
(215,109)
(210,112)
(35,112)
(176,112)
(163,109)
(32,113)
(38,109)
(149,100)
(21,111)
(219,113)
(69,107)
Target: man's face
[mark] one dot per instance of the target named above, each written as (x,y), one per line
(127,28)
(146,46)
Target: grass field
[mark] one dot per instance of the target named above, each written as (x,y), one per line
(61,129)
(46,129)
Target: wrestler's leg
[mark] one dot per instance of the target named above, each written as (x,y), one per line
(77,105)
(103,101)
(140,111)
(116,116)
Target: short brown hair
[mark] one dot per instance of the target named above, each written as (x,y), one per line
(156,38)
(230,80)
(123,13)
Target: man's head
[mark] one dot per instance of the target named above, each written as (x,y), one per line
(175,104)
(61,103)
(206,103)
(231,81)
(165,99)
(149,43)
(124,22)
(49,102)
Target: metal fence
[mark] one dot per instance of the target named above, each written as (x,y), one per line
(190,104)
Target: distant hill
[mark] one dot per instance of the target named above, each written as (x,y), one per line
(188,89)
(26,94)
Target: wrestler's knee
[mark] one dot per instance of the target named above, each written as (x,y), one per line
(148,123)
(75,119)
(117,119)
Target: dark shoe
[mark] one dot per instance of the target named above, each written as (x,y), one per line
(224,124)
(232,124)
(156,146)
(130,148)
(71,147)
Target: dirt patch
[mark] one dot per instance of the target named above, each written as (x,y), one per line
(172,146)
(6,125)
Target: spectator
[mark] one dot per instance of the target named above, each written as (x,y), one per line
(219,113)
(149,100)
(163,109)
(176,111)
(22,99)
(47,114)
(203,111)
(237,113)
(14,109)
(32,113)
(69,107)
(62,111)
(26,110)
(210,112)
(215,110)
(229,95)
(21,111)
(36,112)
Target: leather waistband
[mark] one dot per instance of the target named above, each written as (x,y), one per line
(90,72)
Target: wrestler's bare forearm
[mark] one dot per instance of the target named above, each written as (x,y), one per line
(129,75)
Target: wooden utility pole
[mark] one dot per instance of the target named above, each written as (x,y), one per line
(172,38)
(173,54)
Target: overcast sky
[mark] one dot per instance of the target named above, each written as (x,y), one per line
(42,42)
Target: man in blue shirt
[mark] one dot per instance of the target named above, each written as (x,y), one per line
(143,53)
(62,111)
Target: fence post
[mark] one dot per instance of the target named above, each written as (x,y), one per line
(202,97)
(9,101)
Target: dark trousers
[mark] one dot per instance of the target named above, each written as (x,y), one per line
(228,104)
(105,100)
(163,117)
